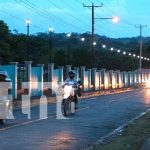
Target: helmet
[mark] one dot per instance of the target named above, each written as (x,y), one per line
(71,74)
(2,77)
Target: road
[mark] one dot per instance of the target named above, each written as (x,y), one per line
(95,118)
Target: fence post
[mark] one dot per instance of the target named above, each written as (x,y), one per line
(112,83)
(94,78)
(16,78)
(89,79)
(77,72)
(50,72)
(50,76)
(41,80)
(68,68)
(62,70)
(103,78)
(28,80)
(83,76)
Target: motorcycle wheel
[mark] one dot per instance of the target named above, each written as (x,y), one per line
(73,108)
(3,121)
(66,107)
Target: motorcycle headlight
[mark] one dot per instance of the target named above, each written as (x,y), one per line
(80,86)
(148,84)
(67,89)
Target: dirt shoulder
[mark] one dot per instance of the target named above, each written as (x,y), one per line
(132,138)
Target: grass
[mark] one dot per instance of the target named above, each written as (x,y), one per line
(132,138)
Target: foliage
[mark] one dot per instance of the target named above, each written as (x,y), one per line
(19,47)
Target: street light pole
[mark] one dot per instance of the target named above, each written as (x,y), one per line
(50,30)
(28,34)
(28,26)
(141,45)
(68,58)
(93,28)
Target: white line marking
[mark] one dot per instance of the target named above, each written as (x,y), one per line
(109,102)
(33,121)
(93,98)
(83,108)
(25,123)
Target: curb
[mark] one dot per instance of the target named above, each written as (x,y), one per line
(103,140)
(146,145)
(52,100)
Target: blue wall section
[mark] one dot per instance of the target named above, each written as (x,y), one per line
(36,81)
(11,73)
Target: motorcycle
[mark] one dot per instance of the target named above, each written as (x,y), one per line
(5,103)
(68,103)
(5,109)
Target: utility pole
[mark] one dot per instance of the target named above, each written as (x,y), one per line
(93,24)
(141,44)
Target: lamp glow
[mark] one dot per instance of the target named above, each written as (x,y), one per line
(82,39)
(134,55)
(69,35)
(28,21)
(124,53)
(50,29)
(104,46)
(94,43)
(118,51)
(111,48)
(115,19)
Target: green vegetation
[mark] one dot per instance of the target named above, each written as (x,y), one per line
(19,47)
(132,137)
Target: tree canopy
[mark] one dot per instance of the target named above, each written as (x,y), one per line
(19,47)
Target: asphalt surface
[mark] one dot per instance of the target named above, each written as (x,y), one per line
(95,118)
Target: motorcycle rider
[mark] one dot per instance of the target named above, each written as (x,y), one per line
(71,80)
(3,78)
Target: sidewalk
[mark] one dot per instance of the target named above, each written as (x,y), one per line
(146,145)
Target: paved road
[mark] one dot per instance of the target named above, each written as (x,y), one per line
(95,118)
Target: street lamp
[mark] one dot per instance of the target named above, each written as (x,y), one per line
(50,30)
(68,36)
(115,19)
(28,26)
(94,43)
(124,53)
(28,34)
(104,46)
(134,55)
(118,51)
(111,48)
(82,39)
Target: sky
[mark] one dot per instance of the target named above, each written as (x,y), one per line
(70,16)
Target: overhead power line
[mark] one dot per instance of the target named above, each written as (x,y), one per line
(66,12)
(15,17)
(45,14)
